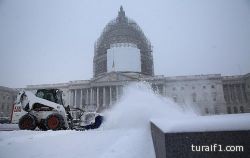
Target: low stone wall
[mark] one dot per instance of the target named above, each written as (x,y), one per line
(209,144)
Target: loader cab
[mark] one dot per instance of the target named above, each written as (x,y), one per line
(53,95)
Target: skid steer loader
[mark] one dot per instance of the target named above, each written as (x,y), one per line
(46,111)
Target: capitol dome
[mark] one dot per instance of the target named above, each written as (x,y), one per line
(123,47)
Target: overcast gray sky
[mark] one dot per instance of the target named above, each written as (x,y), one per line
(52,41)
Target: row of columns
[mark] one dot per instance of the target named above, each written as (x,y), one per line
(95,96)
(99,97)
(235,93)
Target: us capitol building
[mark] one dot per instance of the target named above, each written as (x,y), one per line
(123,55)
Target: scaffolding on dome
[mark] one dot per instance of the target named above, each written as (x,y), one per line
(122,30)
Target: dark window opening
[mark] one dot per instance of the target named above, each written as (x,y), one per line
(206,110)
(235,109)
(241,109)
(229,110)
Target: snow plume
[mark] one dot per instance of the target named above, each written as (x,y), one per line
(139,105)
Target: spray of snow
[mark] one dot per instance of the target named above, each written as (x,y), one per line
(132,114)
(139,105)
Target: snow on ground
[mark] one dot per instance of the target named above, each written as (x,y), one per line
(124,134)
(5,125)
(8,127)
(68,144)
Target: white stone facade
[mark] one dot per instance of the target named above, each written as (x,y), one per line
(204,92)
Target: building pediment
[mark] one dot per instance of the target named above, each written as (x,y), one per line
(114,76)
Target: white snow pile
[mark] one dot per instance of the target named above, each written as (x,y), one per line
(124,134)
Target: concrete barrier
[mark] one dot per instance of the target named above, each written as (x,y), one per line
(200,144)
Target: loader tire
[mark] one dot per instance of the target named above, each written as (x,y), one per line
(54,122)
(42,126)
(27,122)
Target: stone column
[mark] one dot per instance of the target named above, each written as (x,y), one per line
(91,96)
(117,92)
(238,93)
(110,95)
(229,94)
(121,91)
(97,98)
(75,98)
(70,97)
(87,97)
(104,97)
(81,100)
(242,93)
(235,94)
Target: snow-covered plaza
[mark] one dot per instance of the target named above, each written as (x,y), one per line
(125,132)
